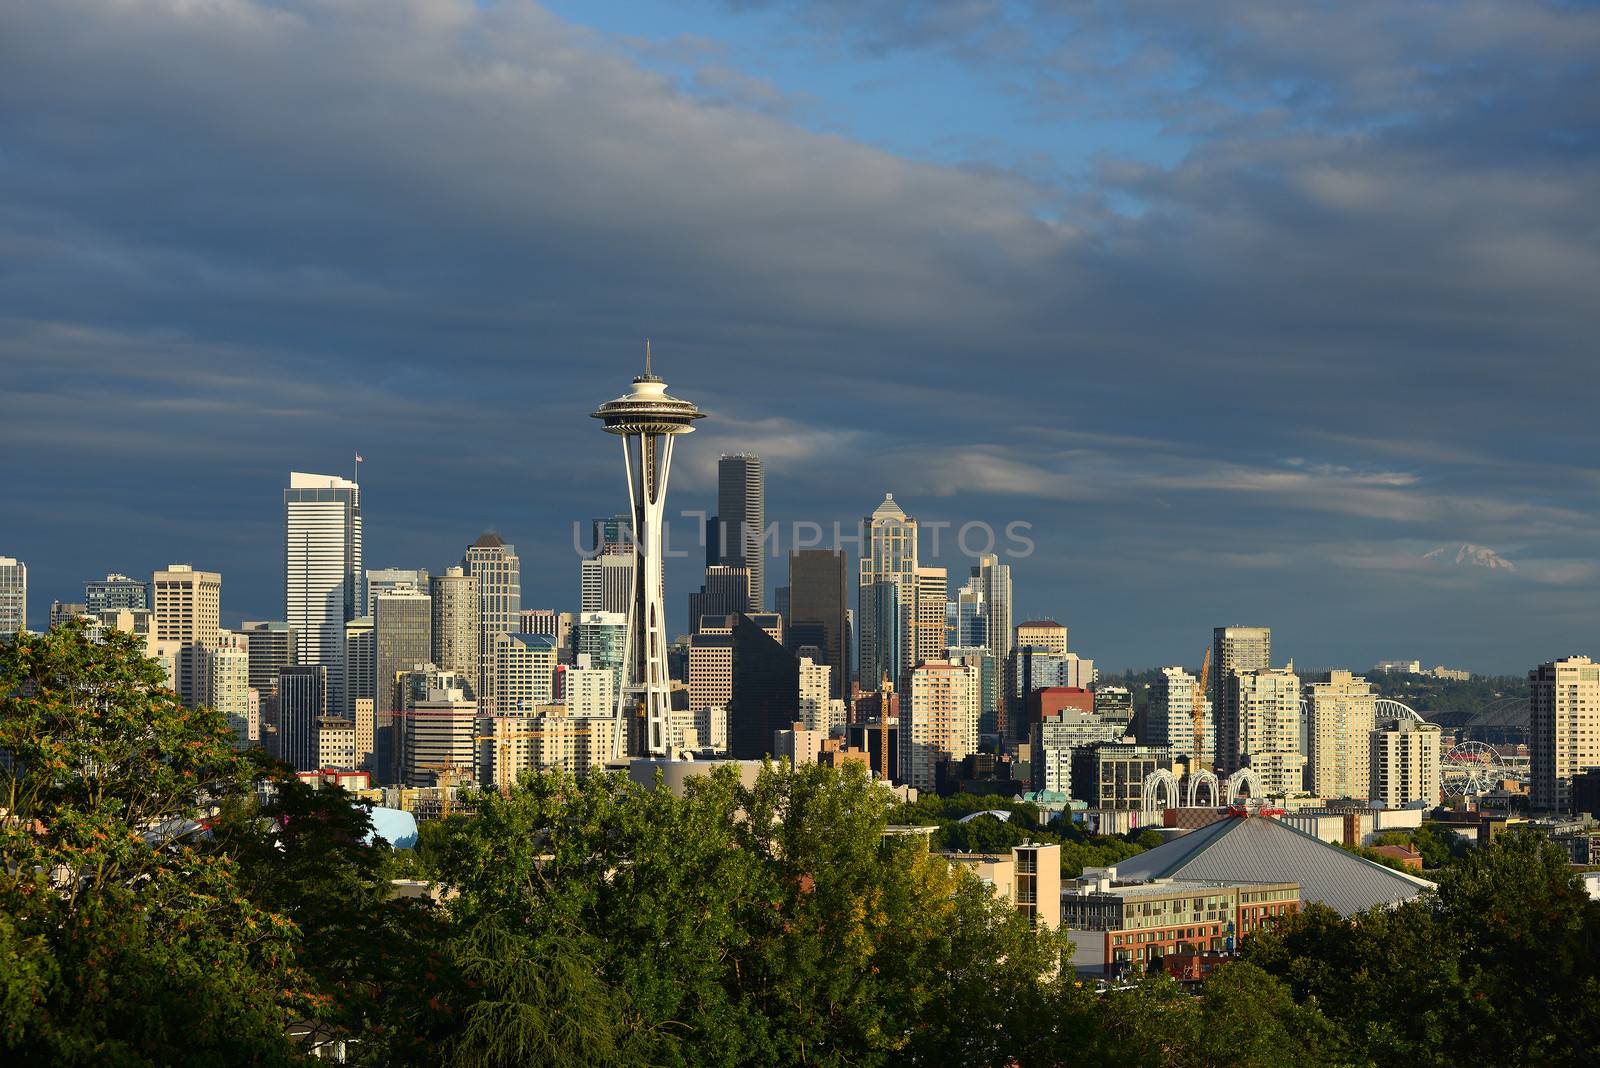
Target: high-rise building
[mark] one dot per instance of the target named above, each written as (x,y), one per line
(938,720)
(648,420)
(1043,634)
(115,591)
(989,687)
(992,579)
(498,571)
(1563,728)
(603,637)
(302,706)
(614,533)
(1054,738)
(360,665)
(550,739)
(928,620)
(819,610)
(550,623)
(381,580)
(322,574)
(607,582)
(66,612)
(586,690)
(1237,649)
(888,594)
(1405,763)
(402,638)
(818,710)
(13,596)
(1169,718)
(455,621)
(1342,717)
(742,511)
(525,669)
(187,609)
(1259,727)
(272,646)
(966,618)
(226,675)
(1112,774)
(765,690)
(725,592)
(440,737)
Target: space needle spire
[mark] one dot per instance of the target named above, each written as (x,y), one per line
(646,419)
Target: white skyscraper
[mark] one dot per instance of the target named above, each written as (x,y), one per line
(13,596)
(322,572)
(1169,719)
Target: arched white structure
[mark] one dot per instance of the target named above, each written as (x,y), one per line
(1160,779)
(1388,708)
(1201,779)
(1244,783)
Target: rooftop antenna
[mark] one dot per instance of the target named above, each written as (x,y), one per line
(647,357)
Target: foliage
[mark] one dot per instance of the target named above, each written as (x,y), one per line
(1500,965)
(127,937)
(989,834)
(165,899)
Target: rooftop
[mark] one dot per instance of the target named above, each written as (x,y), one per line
(1258,849)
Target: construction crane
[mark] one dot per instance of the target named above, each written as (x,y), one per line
(1199,717)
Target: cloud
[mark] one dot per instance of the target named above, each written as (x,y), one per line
(241,237)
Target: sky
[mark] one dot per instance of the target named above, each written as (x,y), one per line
(1245,308)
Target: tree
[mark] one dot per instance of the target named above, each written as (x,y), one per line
(126,937)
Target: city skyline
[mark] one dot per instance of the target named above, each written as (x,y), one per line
(1263,368)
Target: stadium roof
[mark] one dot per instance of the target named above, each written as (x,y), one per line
(1259,849)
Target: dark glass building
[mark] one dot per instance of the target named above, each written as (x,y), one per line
(766,690)
(818,603)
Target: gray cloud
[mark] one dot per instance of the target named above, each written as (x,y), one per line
(237,238)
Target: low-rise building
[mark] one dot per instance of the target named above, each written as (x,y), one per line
(1123,927)
(1029,877)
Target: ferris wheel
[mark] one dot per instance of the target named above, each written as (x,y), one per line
(1471,769)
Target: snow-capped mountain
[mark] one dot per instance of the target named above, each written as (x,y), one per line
(1470,555)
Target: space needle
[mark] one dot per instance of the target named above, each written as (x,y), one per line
(646,419)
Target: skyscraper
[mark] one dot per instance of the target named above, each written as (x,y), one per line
(187,607)
(1237,649)
(765,688)
(938,720)
(322,572)
(499,573)
(455,621)
(13,596)
(1169,718)
(526,666)
(819,605)
(360,670)
(115,591)
(726,591)
(928,622)
(383,579)
(888,594)
(966,620)
(992,580)
(1342,717)
(1563,728)
(1259,727)
(1405,763)
(403,638)
(226,678)
(302,705)
(742,511)
(648,420)
(607,581)
(271,646)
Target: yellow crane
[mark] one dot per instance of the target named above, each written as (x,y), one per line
(1199,717)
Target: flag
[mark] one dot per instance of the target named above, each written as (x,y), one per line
(359,460)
